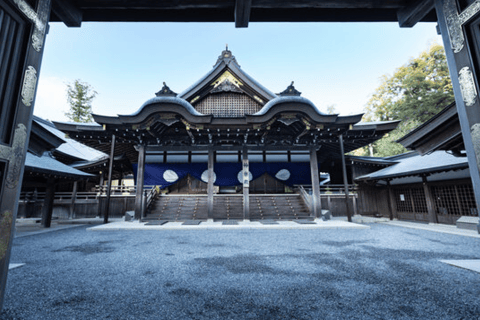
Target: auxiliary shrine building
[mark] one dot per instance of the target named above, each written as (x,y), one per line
(229,148)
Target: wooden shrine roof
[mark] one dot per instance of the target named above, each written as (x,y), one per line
(241,12)
(441,132)
(283,121)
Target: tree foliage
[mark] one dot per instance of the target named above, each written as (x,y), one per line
(417,91)
(80,96)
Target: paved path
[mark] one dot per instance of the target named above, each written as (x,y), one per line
(217,225)
(383,272)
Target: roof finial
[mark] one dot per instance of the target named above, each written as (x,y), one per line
(165,91)
(226,56)
(290,91)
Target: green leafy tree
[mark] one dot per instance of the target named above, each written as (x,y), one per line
(80,96)
(417,91)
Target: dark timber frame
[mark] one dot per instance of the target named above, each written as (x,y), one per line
(20,65)
(23,30)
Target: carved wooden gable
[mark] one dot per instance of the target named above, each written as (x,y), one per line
(227,99)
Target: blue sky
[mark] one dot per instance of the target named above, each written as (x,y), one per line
(126,63)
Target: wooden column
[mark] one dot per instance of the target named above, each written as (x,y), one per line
(345,180)
(393,201)
(432,214)
(109,183)
(246,184)
(389,200)
(210,184)
(74,198)
(21,60)
(47,209)
(140,181)
(460,51)
(316,201)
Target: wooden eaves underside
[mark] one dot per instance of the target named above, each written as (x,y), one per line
(406,12)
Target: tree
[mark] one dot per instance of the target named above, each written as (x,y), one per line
(80,96)
(417,91)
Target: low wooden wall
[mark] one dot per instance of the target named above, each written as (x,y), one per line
(373,200)
(84,208)
(336,204)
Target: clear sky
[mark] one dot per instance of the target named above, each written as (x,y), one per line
(126,63)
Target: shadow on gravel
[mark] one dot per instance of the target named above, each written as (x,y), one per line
(89,248)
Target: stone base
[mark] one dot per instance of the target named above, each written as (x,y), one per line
(469,223)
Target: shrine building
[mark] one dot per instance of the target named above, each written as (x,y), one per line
(229,148)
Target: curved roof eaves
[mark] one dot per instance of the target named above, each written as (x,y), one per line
(174,100)
(288,99)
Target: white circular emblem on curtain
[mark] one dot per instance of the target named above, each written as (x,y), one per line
(170,176)
(283,175)
(240,176)
(205,176)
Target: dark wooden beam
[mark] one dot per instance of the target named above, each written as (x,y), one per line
(47,209)
(246,184)
(67,12)
(414,12)
(345,180)
(211,160)
(242,13)
(109,185)
(140,181)
(316,203)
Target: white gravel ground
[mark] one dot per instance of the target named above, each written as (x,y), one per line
(383,272)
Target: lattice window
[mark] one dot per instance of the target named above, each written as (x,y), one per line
(227,105)
(410,200)
(455,200)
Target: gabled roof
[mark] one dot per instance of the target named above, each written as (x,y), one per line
(226,68)
(46,164)
(441,132)
(412,164)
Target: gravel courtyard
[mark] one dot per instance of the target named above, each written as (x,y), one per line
(384,272)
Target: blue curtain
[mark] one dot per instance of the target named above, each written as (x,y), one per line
(226,173)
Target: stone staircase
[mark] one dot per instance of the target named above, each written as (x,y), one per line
(227,207)
(178,208)
(278,207)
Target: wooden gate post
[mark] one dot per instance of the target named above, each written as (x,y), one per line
(460,50)
(20,61)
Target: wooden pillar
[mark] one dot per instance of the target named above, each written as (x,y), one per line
(345,180)
(389,200)
(211,159)
(432,214)
(140,181)
(316,200)
(393,201)
(74,198)
(460,51)
(109,183)
(47,209)
(246,184)
(22,57)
